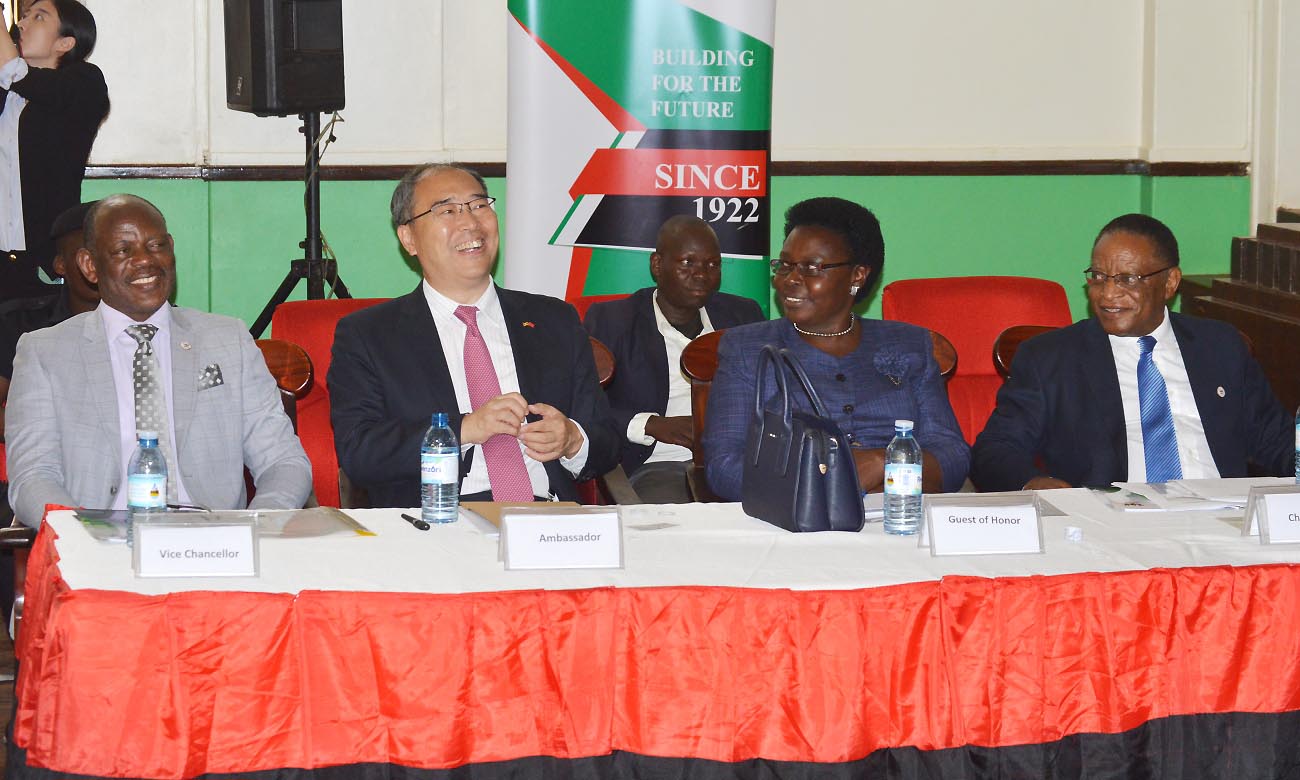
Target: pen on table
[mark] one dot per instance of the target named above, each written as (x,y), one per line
(415,521)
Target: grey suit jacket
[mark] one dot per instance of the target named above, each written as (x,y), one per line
(62,430)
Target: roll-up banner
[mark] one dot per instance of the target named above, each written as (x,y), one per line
(623,114)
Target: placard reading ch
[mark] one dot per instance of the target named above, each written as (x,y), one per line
(561,538)
(195,549)
(971,525)
(1273,514)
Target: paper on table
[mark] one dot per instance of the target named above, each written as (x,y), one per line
(1234,491)
(1127,500)
(109,526)
(1191,495)
(300,523)
(491,510)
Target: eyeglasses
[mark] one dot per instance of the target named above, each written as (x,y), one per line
(451,209)
(1127,281)
(782,267)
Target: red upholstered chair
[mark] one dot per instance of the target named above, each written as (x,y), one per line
(310,324)
(971,311)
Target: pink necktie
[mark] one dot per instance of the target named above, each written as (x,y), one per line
(505,462)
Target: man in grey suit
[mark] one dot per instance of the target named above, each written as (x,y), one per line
(71,421)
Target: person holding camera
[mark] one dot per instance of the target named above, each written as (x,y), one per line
(51,105)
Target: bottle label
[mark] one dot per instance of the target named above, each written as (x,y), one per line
(439,468)
(146,491)
(903,479)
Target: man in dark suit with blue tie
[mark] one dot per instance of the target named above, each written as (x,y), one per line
(1135,393)
(646,332)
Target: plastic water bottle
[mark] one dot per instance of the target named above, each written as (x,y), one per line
(439,472)
(146,480)
(902,481)
(1297,446)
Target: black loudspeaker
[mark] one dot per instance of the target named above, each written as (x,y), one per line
(284,56)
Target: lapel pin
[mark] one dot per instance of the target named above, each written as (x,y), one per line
(185,345)
(529,324)
(1221,391)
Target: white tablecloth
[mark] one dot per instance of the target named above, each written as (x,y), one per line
(704,544)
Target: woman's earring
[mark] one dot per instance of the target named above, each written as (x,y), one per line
(853,289)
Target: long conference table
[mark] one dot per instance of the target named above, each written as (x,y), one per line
(1149,645)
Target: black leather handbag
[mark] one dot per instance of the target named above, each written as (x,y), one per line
(799,472)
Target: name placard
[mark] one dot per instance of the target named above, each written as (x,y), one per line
(982,525)
(541,537)
(167,548)
(1273,514)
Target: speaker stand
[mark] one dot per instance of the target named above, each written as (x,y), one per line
(314,267)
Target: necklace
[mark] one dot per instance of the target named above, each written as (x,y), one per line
(852,320)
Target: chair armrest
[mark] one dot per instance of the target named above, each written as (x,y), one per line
(17,537)
(699,486)
(616,489)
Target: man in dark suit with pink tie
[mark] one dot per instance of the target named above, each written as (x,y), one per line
(513,370)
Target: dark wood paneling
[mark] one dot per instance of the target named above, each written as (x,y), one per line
(1193,286)
(147,172)
(1273,336)
(1285,304)
(959,168)
(1287,233)
(1200,169)
(488,170)
(777,168)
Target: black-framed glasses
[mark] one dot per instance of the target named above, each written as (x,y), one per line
(1127,281)
(451,209)
(782,267)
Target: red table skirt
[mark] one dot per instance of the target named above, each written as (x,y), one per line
(122,685)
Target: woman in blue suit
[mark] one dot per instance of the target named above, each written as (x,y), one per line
(867,372)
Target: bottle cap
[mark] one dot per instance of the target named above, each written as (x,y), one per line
(150,435)
(903,425)
(439,418)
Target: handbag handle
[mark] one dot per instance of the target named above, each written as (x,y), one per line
(797,368)
(767,355)
(771,354)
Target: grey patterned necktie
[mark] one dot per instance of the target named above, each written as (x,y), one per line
(150,403)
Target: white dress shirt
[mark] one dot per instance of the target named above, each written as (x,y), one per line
(679,389)
(12,235)
(1193,448)
(121,353)
(492,326)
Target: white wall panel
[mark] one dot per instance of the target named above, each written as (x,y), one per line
(1202,100)
(888,79)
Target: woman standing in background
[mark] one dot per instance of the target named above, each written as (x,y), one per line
(51,105)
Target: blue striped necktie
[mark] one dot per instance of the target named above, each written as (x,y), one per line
(1159,442)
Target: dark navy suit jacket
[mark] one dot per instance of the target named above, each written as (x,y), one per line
(388,374)
(640,382)
(1060,413)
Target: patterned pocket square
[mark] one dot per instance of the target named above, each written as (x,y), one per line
(210,377)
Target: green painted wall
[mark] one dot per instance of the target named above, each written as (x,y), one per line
(234,240)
